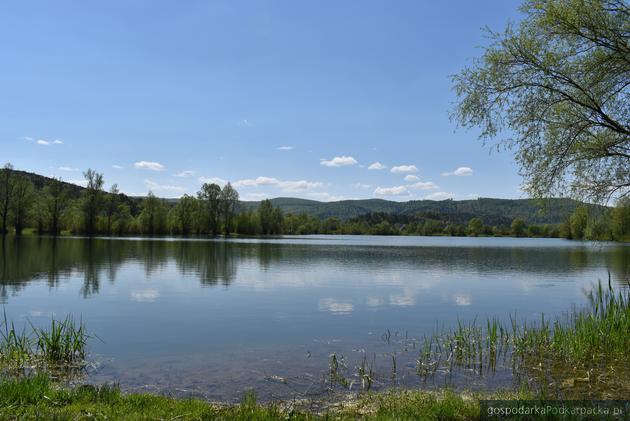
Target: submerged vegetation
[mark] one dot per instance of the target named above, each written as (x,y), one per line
(52,207)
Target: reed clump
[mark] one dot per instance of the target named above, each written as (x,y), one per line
(592,340)
(62,345)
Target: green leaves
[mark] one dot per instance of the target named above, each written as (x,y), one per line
(555,88)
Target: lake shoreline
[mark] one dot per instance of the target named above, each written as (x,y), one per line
(31,233)
(39,397)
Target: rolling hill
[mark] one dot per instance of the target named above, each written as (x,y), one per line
(492,211)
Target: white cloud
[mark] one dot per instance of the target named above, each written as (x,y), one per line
(336,306)
(463,299)
(339,161)
(460,172)
(361,186)
(45,142)
(401,169)
(184,174)
(153,186)
(411,177)
(402,300)
(377,166)
(145,295)
(28,138)
(423,185)
(284,148)
(440,195)
(212,180)
(286,185)
(300,185)
(258,181)
(68,169)
(147,165)
(391,191)
(118,167)
(245,122)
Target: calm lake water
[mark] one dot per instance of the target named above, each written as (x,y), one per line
(215,318)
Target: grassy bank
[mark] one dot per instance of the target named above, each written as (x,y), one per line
(39,398)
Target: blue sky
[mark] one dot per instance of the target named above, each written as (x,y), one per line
(282,98)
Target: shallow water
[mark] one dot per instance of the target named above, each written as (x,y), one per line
(214,318)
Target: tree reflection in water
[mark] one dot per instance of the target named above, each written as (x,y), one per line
(27,259)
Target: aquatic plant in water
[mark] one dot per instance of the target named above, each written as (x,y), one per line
(591,341)
(62,346)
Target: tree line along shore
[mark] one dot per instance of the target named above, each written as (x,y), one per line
(56,207)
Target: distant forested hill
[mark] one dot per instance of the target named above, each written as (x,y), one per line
(491,211)
(40,181)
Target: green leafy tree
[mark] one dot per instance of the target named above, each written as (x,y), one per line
(6,193)
(475,227)
(597,229)
(92,200)
(455,230)
(111,206)
(564,230)
(270,218)
(228,200)
(555,88)
(265,216)
(40,213)
(73,217)
(432,227)
(577,222)
(22,202)
(277,220)
(291,224)
(518,227)
(57,201)
(620,220)
(209,209)
(123,219)
(384,228)
(186,210)
(330,225)
(153,215)
(535,231)
(248,223)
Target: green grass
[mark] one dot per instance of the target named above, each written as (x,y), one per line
(39,398)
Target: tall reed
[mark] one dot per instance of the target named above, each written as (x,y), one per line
(63,344)
(593,336)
